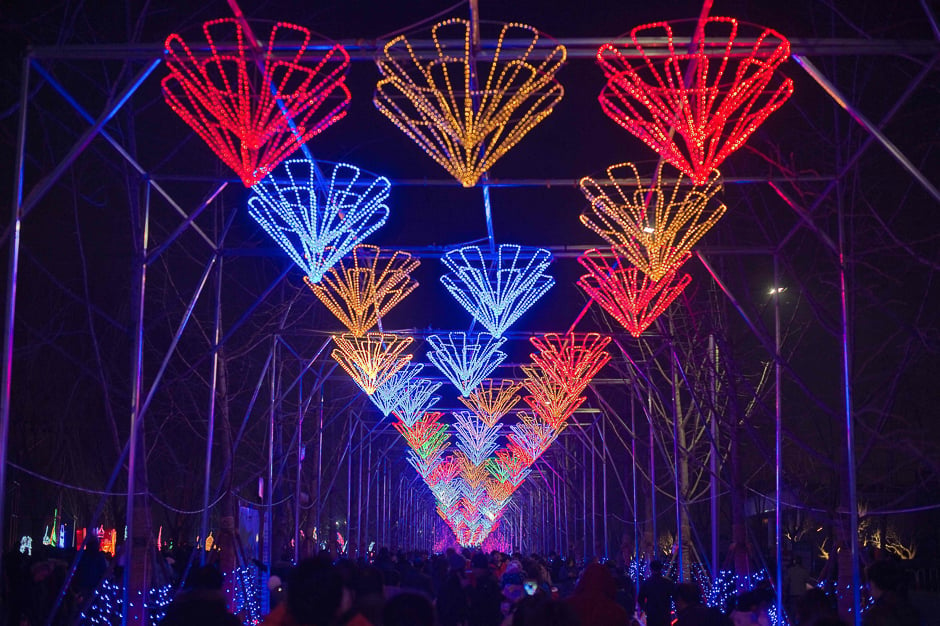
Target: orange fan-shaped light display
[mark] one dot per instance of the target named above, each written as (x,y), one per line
(363,287)
(655,224)
(254,112)
(463,123)
(491,401)
(373,359)
(632,298)
(694,107)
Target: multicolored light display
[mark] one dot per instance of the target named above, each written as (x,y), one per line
(694,107)
(655,224)
(625,293)
(254,115)
(497,290)
(362,288)
(463,108)
(466,359)
(371,360)
(317,221)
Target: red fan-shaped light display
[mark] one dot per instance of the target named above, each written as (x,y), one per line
(254,107)
(626,293)
(694,105)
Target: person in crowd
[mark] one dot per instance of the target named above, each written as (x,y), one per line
(814,606)
(484,596)
(315,596)
(409,608)
(595,598)
(542,610)
(655,596)
(202,601)
(796,581)
(690,611)
(751,608)
(369,598)
(890,606)
(452,599)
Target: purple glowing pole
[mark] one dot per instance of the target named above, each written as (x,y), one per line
(12,272)
(849,426)
(778,442)
(136,611)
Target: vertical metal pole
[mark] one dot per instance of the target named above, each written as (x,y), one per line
(300,465)
(10,309)
(584,500)
(655,549)
(210,435)
(134,608)
(359,497)
(368,489)
(847,389)
(675,456)
(593,494)
(636,525)
(604,448)
(778,442)
(349,451)
(269,482)
(321,533)
(713,460)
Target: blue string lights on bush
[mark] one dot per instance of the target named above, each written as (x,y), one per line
(108,605)
(466,359)
(497,288)
(316,220)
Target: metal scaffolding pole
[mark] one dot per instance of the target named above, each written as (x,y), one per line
(713,457)
(136,578)
(778,444)
(269,481)
(210,434)
(359,496)
(10,308)
(604,482)
(300,465)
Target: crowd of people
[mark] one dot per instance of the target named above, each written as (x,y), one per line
(496,589)
(457,588)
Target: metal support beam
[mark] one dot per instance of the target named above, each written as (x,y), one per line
(842,101)
(10,304)
(47,181)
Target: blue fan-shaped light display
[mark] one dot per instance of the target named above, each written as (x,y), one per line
(387,396)
(496,291)
(415,399)
(474,438)
(466,359)
(317,220)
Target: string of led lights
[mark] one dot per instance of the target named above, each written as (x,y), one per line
(464,358)
(363,287)
(254,122)
(317,222)
(465,128)
(496,291)
(655,225)
(627,294)
(694,106)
